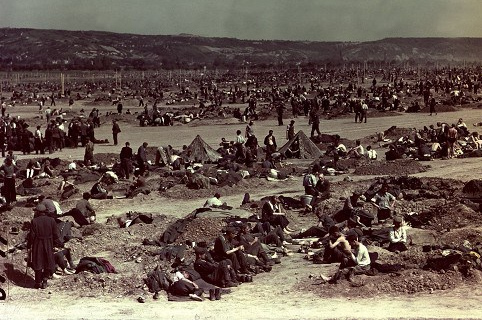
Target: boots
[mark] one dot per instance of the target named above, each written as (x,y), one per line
(212,294)
(335,278)
(217,293)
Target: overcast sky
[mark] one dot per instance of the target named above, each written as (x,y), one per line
(318,20)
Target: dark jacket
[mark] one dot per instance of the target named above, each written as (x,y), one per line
(43,235)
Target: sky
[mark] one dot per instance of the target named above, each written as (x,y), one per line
(313,20)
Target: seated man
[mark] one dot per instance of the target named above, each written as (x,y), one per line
(271,212)
(218,273)
(323,187)
(214,202)
(341,150)
(337,247)
(83,213)
(309,182)
(138,186)
(53,207)
(98,191)
(357,262)
(398,236)
(357,151)
(223,249)
(347,212)
(66,188)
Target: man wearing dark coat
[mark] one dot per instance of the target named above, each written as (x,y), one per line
(270,143)
(115,131)
(126,160)
(43,235)
(142,158)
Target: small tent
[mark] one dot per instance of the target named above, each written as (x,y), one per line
(307,149)
(200,151)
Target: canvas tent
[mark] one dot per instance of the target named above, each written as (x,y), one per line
(307,149)
(200,151)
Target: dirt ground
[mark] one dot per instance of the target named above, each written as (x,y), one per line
(290,291)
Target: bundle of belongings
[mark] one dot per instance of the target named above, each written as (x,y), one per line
(95,265)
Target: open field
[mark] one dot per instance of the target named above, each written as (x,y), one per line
(274,295)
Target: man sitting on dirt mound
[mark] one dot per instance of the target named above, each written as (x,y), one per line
(337,248)
(398,236)
(138,186)
(83,213)
(223,249)
(214,202)
(219,273)
(357,262)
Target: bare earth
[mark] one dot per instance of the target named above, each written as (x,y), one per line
(272,295)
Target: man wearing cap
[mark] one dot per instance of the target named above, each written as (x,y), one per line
(126,160)
(43,236)
(223,249)
(397,236)
(218,273)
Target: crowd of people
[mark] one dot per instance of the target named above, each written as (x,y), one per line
(245,249)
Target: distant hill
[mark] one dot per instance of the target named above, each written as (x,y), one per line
(28,49)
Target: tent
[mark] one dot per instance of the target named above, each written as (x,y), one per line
(307,149)
(200,151)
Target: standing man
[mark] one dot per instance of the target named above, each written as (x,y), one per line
(43,236)
(433,103)
(290,130)
(48,114)
(126,160)
(452,136)
(279,110)
(364,111)
(249,129)
(89,152)
(315,123)
(270,143)
(384,202)
(9,170)
(115,131)
(142,158)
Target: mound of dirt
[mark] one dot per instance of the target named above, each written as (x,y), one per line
(450,215)
(396,167)
(202,229)
(395,133)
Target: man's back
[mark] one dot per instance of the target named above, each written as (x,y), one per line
(126,153)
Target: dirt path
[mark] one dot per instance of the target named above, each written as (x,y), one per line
(271,296)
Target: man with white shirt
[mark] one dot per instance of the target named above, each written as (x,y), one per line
(357,151)
(214,202)
(397,236)
(358,263)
